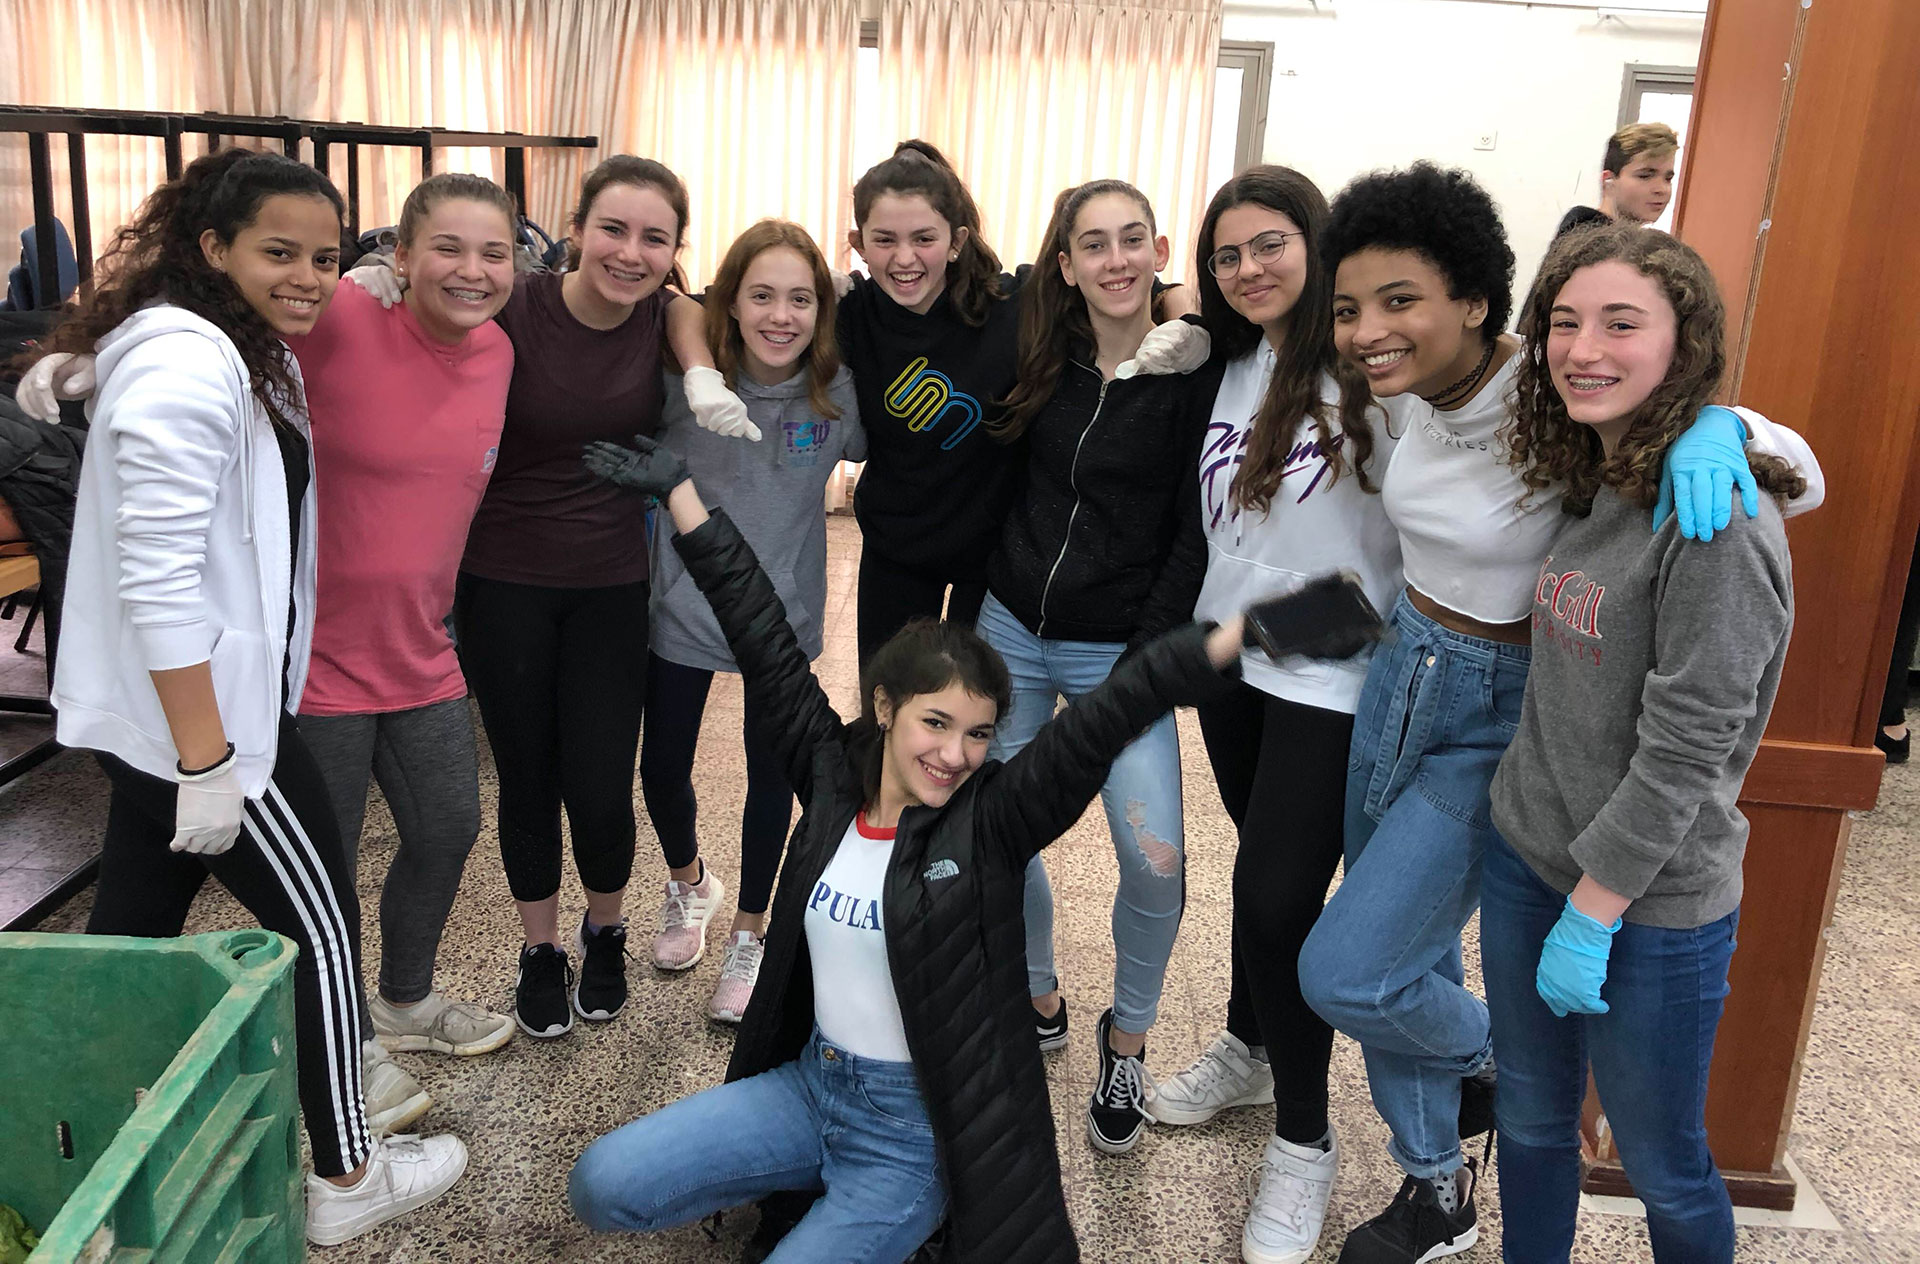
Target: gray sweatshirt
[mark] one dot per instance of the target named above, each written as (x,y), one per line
(775,492)
(1655,662)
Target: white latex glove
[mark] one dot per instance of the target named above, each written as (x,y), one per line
(380,281)
(53,377)
(210,809)
(1174,347)
(842,282)
(715,407)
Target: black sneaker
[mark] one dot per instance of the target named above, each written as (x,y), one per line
(540,995)
(602,989)
(1415,1228)
(1476,1101)
(1117,1111)
(1052,1031)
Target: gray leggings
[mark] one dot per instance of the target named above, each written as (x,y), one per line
(425,763)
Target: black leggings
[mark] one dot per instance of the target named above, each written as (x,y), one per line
(288,871)
(676,699)
(1282,771)
(560,675)
(893,594)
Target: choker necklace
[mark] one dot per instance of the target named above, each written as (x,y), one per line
(1465,384)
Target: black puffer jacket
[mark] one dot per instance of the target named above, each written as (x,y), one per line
(956,941)
(1105,541)
(39,478)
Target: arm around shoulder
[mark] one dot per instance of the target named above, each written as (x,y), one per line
(1773,439)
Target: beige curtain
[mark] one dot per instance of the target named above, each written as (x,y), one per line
(1029,96)
(749,101)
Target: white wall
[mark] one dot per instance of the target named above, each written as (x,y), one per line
(1365,84)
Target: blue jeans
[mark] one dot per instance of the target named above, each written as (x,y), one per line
(1650,1053)
(1383,964)
(855,1127)
(1142,799)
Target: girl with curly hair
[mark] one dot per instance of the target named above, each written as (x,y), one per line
(1422,293)
(190,617)
(1292,457)
(1611,890)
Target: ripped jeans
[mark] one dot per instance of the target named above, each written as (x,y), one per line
(1142,799)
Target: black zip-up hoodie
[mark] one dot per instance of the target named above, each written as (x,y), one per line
(951,905)
(1105,541)
(937,484)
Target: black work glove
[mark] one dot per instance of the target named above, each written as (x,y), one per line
(1329,617)
(646,467)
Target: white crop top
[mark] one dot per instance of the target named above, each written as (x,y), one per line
(1465,540)
(853,999)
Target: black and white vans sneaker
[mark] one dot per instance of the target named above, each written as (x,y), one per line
(601,991)
(1117,1111)
(1417,1225)
(1051,1031)
(540,996)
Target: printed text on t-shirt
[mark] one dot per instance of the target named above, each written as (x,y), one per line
(1226,451)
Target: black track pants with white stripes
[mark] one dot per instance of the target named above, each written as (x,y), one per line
(287,869)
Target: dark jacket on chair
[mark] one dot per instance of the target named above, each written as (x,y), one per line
(956,939)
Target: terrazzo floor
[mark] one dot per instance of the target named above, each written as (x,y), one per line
(527,1111)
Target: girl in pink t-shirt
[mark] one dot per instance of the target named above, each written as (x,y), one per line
(407,405)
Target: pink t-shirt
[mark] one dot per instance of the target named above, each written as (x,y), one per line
(405,434)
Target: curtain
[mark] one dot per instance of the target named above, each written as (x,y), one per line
(749,101)
(1029,96)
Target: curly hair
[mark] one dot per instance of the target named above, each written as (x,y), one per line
(1053,314)
(157,258)
(917,169)
(1549,448)
(1442,215)
(822,355)
(1293,395)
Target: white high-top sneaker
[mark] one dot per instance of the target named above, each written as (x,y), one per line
(1289,1203)
(1223,1077)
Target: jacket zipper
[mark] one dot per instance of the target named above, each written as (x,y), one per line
(1073,475)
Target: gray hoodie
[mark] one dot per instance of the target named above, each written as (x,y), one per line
(1655,662)
(775,492)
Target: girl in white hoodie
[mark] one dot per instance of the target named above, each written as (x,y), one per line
(189,617)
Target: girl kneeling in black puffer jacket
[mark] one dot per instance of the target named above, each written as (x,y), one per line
(888,1054)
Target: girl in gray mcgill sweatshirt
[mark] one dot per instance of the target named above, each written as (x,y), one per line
(1609,904)
(770,326)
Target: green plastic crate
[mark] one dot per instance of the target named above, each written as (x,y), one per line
(148,1105)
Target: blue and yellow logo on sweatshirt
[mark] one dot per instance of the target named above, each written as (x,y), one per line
(923,398)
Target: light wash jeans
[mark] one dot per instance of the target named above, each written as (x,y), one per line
(1383,963)
(1650,1053)
(855,1127)
(1142,799)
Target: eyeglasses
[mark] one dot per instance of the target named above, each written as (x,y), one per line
(1267,248)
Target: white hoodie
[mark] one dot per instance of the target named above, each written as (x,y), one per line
(180,550)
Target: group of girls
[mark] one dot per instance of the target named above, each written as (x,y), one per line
(1361,410)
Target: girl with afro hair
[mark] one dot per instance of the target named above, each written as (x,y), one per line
(1422,293)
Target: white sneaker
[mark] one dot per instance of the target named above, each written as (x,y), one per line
(1291,1188)
(438,1025)
(739,971)
(402,1173)
(394,1098)
(1223,1077)
(684,914)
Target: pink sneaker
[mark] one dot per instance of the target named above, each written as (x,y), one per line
(682,939)
(739,969)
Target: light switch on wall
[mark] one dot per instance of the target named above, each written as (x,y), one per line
(1485,140)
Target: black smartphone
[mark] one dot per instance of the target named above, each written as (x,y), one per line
(1328,617)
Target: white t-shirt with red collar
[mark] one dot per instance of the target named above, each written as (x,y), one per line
(854,1003)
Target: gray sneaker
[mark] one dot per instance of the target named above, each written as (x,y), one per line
(438,1025)
(394,1098)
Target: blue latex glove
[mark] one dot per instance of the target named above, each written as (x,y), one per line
(1573,963)
(1696,482)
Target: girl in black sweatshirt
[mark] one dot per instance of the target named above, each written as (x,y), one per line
(1102,549)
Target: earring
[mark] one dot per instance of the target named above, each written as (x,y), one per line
(883,726)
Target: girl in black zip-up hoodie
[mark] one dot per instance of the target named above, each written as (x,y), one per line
(1102,550)
(886,1056)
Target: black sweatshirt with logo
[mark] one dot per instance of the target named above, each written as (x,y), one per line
(1105,542)
(937,485)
